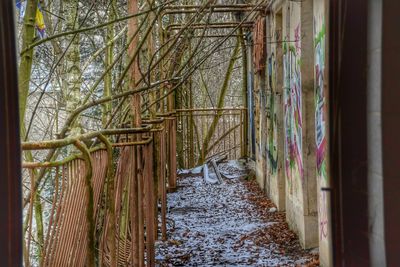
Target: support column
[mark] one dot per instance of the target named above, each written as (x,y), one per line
(321,96)
(299,118)
(310,211)
(275,139)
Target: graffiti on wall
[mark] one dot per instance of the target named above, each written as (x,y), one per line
(323,215)
(292,112)
(272,146)
(320,124)
(297,39)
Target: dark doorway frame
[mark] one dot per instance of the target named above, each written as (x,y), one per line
(348,131)
(391,128)
(10,157)
(348,32)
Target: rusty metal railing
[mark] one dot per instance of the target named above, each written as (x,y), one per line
(103,209)
(193,125)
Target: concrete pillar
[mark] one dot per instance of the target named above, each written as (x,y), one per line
(321,102)
(258,123)
(280,175)
(275,119)
(308,110)
(300,160)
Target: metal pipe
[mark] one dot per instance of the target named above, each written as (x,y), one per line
(214,36)
(220,25)
(211,6)
(222,10)
(135,143)
(70,140)
(209,109)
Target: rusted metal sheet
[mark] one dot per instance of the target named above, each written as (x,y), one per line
(171,147)
(125,197)
(67,234)
(135,202)
(260,52)
(159,174)
(149,205)
(127,226)
(162,184)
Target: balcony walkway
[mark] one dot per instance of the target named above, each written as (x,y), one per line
(227,224)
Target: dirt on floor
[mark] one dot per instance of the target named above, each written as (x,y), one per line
(227,224)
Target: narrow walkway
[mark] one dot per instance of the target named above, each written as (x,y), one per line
(228,224)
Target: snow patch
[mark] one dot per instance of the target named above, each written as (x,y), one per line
(183,171)
(210,221)
(197,170)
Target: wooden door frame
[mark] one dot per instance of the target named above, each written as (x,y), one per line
(10,156)
(348,131)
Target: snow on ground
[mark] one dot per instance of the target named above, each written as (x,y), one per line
(228,224)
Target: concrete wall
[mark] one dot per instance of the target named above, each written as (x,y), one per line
(299,161)
(321,131)
(274,112)
(292,104)
(291,114)
(260,125)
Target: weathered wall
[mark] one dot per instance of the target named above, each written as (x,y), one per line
(299,160)
(292,101)
(260,102)
(321,130)
(292,154)
(274,113)
(260,126)
(293,162)
(291,119)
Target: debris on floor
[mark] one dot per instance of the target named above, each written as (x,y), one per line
(227,224)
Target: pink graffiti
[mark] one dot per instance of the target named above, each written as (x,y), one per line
(297,38)
(323,221)
(293,115)
(320,105)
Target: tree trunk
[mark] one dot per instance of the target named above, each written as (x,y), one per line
(108,62)
(73,72)
(25,66)
(220,104)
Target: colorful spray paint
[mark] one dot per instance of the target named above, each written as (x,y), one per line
(292,110)
(320,124)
